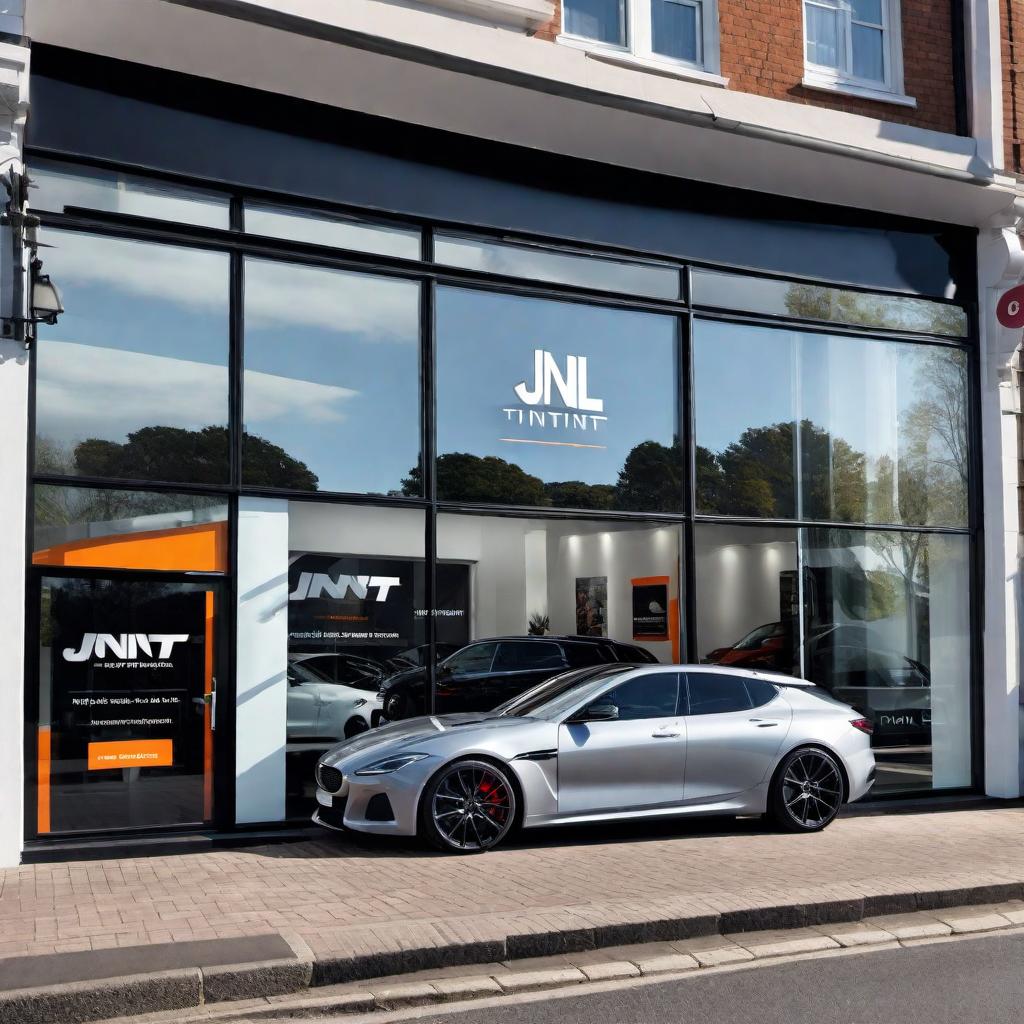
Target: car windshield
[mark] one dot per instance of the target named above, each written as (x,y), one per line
(551,696)
(755,637)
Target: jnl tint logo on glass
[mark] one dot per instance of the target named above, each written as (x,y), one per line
(313,585)
(580,412)
(125,646)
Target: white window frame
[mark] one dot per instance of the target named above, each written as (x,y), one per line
(639,52)
(821,76)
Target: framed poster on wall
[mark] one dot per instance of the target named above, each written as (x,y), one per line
(650,608)
(592,605)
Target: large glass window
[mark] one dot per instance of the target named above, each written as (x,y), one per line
(876,431)
(133,380)
(332,381)
(887,629)
(747,597)
(555,403)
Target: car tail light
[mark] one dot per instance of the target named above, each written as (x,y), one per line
(863,724)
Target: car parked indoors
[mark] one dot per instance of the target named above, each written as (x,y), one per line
(489,672)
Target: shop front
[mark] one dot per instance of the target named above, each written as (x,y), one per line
(320,413)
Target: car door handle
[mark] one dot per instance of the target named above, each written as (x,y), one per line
(762,724)
(661,734)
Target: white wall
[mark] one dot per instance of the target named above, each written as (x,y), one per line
(737,572)
(14,377)
(262,660)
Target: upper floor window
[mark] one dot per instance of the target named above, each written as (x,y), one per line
(681,32)
(854,46)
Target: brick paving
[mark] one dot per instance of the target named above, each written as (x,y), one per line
(343,897)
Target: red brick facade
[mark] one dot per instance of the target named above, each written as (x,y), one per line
(1011,27)
(762,53)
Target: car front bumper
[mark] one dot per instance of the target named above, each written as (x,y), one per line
(373,804)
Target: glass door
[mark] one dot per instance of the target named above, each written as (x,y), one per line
(127,676)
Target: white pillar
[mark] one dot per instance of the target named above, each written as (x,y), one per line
(14,376)
(1000,266)
(262,660)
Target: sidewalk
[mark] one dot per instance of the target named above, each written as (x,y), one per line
(367,909)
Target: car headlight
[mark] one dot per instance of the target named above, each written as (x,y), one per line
(359,703)
(390,764)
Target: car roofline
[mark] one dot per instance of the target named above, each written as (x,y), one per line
(778,678)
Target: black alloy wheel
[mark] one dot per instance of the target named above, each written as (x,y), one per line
(468,807)
(807,791)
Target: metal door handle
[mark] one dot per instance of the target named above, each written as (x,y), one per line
(762,724)
(663,734)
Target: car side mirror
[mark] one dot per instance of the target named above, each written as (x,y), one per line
(598,713)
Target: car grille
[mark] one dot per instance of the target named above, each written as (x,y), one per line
(329,779)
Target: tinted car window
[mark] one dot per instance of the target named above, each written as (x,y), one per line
(648,696)
(760,692)
(714,694)
(583,655)
(475,658)
(524,655)
(639,654)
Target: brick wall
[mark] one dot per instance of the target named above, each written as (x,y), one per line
(762,53)
(1011,27)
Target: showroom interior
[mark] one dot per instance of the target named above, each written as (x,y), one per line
(311,420)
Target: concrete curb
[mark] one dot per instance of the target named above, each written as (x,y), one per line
(555,932)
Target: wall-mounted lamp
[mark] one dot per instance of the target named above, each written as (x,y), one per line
(45,303)
(33,298)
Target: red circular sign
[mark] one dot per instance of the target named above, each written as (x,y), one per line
(1010,311)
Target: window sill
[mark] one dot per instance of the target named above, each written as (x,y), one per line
(625,59)
(863,92)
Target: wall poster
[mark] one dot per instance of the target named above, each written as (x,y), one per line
(592,605)
(650,609)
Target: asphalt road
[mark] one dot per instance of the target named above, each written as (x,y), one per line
(975,981)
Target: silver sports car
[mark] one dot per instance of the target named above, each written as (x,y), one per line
(603,744)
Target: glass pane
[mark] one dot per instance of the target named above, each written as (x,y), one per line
(824,45)
(887,631)
(675,30)
(884,432)
(125,673)
(332,380)
(578,592)
(868,59)
(133,381)
(356,616)
(747,597)
(602,20)
(869,11)
(883,427)
(129,529)
(555,403)
(338,232)
(61,185)
(537,264)
(746,409)
(816,302)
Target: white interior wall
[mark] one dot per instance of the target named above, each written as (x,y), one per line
(737,575)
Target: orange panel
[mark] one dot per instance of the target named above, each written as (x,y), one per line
(202,548)
(43,781)
(673,627)
(131,754)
